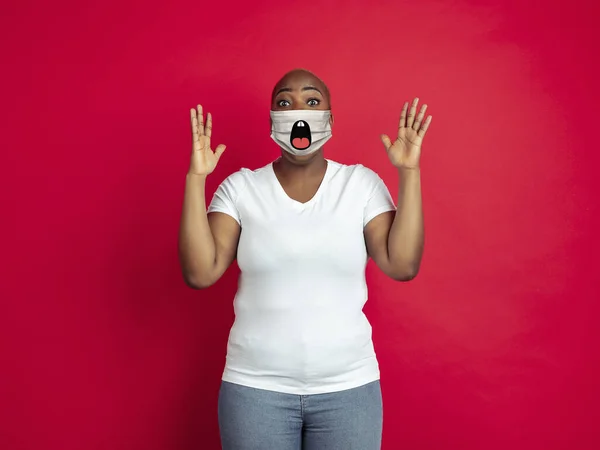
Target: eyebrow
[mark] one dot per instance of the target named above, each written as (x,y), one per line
(305,88)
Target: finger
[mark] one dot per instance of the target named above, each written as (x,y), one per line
(386,141)
(208,126)
(419,119)
(194,123)
(411,113)
(200,121)
(220,150)
(425,126)
(403,115)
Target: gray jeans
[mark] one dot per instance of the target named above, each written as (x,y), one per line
(256,419)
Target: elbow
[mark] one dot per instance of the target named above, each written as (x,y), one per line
(405,277)
(406,273)
(193,276)
(197,283)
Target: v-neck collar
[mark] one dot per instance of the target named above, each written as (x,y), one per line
(294,202)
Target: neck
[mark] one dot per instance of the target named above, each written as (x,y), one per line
(288,166)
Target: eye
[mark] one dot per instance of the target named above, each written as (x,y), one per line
(283,103)
(313,102)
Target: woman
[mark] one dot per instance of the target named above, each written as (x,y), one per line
(301,372)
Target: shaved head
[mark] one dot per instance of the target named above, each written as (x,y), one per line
(304,77)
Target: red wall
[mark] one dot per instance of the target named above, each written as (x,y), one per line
(494,345)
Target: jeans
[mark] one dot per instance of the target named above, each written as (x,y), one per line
(256,419)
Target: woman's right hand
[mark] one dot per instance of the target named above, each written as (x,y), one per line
(204,160)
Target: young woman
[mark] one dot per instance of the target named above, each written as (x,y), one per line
(301,371)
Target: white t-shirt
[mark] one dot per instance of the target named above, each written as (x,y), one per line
(299,326)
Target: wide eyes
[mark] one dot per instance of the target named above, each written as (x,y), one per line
(310,102)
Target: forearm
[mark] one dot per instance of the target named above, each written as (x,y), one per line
(406,238)
(197,251)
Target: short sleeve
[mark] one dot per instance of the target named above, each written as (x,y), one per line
(379,200)
(225,198)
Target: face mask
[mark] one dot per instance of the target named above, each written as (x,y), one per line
(301,132)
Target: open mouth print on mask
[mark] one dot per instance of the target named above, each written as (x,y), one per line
(300,137)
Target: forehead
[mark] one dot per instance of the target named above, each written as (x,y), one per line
(298,80)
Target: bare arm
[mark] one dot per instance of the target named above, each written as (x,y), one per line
(395,240)
(207,242)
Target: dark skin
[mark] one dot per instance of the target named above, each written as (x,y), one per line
(300,176)
(208,243)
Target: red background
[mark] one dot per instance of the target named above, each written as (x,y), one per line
(494,345)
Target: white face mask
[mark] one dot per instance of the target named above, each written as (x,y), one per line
(301,132)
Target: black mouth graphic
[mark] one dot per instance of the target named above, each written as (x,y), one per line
(300,138)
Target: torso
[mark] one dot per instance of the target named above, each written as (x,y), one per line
(299,324)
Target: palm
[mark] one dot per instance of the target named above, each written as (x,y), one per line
(203,160)
(405,151)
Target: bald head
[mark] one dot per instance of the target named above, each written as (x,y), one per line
(302,81)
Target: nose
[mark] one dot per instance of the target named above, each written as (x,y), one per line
(300,105)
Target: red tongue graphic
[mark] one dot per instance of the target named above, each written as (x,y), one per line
(300,143)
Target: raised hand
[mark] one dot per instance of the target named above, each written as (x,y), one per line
(204,160)
(405,151)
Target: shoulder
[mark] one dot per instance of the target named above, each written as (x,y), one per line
(243,177)
(356,174)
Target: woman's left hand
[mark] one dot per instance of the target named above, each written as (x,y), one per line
(405,151)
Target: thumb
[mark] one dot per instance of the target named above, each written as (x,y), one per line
(220,150)
(386,141)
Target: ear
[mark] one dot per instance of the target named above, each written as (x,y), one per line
(331,120)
